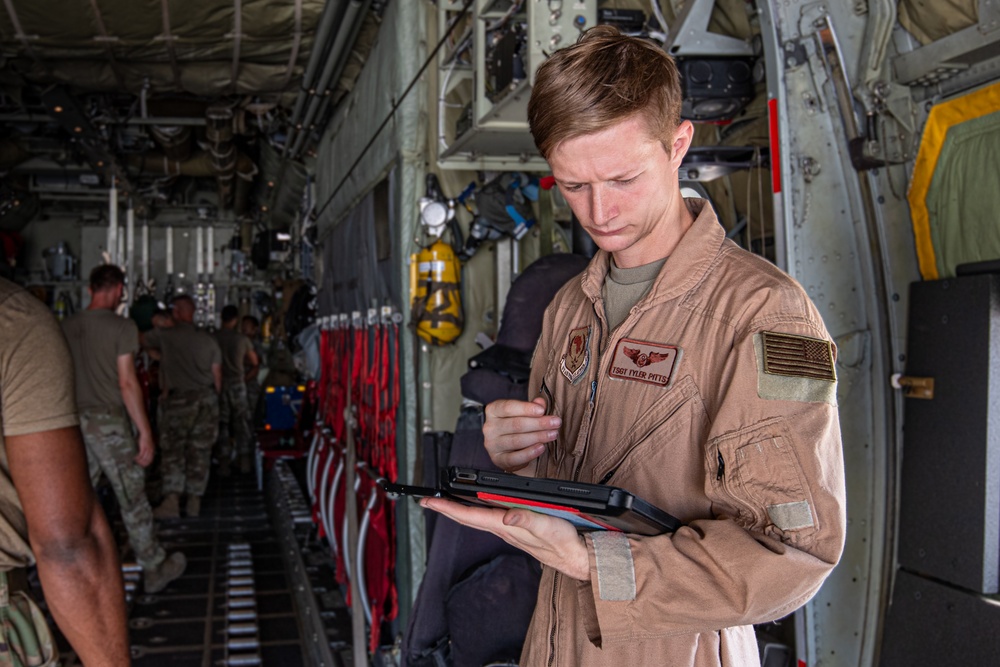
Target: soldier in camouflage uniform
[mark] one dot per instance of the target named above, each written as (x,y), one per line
(237,355)
(103,346)
(192,363)
(111,450)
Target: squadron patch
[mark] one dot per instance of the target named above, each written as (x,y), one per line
(652,363)
(577,358)
(795,368)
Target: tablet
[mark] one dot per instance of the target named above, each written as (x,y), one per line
(586,506)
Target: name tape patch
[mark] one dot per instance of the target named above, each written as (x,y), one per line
(640,361)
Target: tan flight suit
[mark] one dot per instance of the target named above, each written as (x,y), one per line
(714,400)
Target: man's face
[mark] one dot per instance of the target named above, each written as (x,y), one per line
(248,329)
(622,185)
(183,310)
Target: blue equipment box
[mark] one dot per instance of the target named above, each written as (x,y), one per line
(281,406)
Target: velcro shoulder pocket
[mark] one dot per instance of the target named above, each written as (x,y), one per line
(757,471)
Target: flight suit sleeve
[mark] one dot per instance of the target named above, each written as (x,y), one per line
(774,474)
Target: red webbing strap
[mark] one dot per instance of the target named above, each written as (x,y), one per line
(378,390)
(360,387)
(366,358)
(323,399)
(365,407)
(356,356)
(393,471)
(339,387)
(387,417)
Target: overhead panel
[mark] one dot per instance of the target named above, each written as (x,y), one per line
(171,45)
(488,72)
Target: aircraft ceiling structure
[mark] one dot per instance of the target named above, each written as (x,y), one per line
(173,100)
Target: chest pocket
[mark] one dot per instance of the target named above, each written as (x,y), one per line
(644,455)
(758,475)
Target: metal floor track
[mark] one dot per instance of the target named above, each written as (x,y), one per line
(259,589)
(233,605)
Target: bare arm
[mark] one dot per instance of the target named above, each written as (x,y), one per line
(217,377)
(73,546)
(132,397)
(252,364)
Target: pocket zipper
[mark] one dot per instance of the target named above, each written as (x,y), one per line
(608,475)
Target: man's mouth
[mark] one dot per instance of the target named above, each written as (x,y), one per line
(604,232)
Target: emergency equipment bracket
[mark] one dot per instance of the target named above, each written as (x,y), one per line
(948,56)
(914,387)
(689,35)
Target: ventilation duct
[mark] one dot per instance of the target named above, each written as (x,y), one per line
(219,132)
(175,140)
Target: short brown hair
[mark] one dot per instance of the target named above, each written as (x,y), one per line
(603,79)
(105,277)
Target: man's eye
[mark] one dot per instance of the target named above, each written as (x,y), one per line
(626,181)
(571,188)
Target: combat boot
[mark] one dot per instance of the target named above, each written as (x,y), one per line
(157,578)
(193,507)
(169,508)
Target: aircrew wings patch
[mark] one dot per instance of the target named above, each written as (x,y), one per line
(640,361)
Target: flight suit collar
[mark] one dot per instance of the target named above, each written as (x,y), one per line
(686,266)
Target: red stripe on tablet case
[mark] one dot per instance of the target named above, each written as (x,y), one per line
(483,495)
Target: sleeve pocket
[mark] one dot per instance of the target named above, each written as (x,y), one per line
(762,477)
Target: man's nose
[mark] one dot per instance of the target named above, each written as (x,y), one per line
(602,205)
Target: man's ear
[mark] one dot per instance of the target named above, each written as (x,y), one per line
(683,136)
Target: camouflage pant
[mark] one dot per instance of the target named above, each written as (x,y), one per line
(253,396)
(111,449)
(188,431)
(25,637)
(234,421)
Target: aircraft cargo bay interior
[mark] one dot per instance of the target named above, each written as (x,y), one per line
(431,333)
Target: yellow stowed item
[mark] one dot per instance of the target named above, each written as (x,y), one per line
(435,294)
(931,233)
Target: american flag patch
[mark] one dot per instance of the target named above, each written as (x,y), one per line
(798,356)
